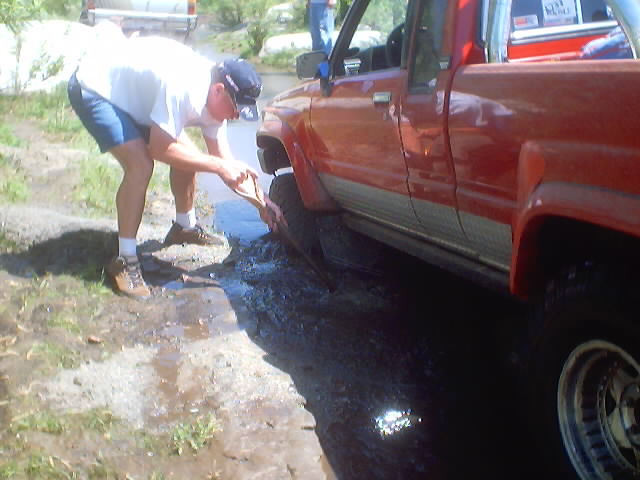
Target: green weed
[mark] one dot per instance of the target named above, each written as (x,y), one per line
(8,470)
(54,113)
(149,442)
(99,181)
(99,420)
(157,476)
(231,42)
(101,471)
(7,245)
(13,182)
(57,355)
(45,422)
(65,322)
(194,435)
(7,137)
(14,190)
(49,467)
(284,60)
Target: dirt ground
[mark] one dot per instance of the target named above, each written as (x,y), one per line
(72,351)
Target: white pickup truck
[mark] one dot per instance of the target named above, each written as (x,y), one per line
(143,15)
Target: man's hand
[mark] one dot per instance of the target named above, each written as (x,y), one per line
(272,215)
(235,175)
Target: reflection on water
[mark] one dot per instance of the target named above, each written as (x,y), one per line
(394,421)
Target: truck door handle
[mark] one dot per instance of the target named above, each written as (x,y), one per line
(381,97)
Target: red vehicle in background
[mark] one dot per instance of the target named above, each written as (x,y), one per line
(470,134)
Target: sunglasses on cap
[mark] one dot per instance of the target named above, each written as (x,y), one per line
(247,94)
(244,100)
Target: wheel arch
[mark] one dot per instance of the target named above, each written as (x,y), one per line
(285,150)
(564,224)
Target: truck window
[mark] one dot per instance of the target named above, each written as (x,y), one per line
(426,65)
(530,14)
(377,41)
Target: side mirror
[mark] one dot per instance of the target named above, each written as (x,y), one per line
(307,64)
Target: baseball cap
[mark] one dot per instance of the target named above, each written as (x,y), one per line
(243,84)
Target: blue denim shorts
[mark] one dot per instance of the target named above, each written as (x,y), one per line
(108,125)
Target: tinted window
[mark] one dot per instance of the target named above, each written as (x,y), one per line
(428,43)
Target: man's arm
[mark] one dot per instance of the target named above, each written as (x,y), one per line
(270,213)
(184,155)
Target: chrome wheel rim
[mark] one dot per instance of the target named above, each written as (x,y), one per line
(598,404)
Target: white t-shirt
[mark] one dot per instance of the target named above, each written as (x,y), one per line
(153,79)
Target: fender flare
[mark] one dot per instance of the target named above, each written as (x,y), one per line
(541,198)
(313,193)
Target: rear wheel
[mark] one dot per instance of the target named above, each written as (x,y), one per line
(302,222)
(586,382)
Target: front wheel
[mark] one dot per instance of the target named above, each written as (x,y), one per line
(301,222)
(586,387)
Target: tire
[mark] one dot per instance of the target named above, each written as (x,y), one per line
(302,222)
(585,385)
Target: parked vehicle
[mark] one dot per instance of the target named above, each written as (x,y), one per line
(476,140)
(143,15)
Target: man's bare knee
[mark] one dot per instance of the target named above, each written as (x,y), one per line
(135,160)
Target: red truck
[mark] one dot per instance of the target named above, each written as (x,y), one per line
(471,134)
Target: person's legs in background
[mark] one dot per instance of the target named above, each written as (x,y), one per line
(321,24)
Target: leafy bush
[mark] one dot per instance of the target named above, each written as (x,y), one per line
(15,13)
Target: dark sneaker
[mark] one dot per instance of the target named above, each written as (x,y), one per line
(127,277)
(178,235)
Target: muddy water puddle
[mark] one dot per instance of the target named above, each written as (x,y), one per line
(182,387)
(405,379)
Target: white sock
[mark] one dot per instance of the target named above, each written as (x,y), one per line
(186,220)
(127,247)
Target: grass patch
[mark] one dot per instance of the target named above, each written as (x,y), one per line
(47,288)
(57,355)
(283,60)
(49,467)
(100,179)
(100,471)
(9,470)
(65,322)
(194,435)
(7,245)
(7,137)
(99,182)
(52,111)
(236,43)
(99,420)
(13,182)
(45,422)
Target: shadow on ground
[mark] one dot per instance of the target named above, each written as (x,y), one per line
(414,342)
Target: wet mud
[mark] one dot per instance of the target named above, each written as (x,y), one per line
(409,373)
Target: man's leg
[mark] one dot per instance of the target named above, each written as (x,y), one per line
(137,164)
(115,131)
(183,187)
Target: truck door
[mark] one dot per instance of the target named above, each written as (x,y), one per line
(431,177)
(357,147)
